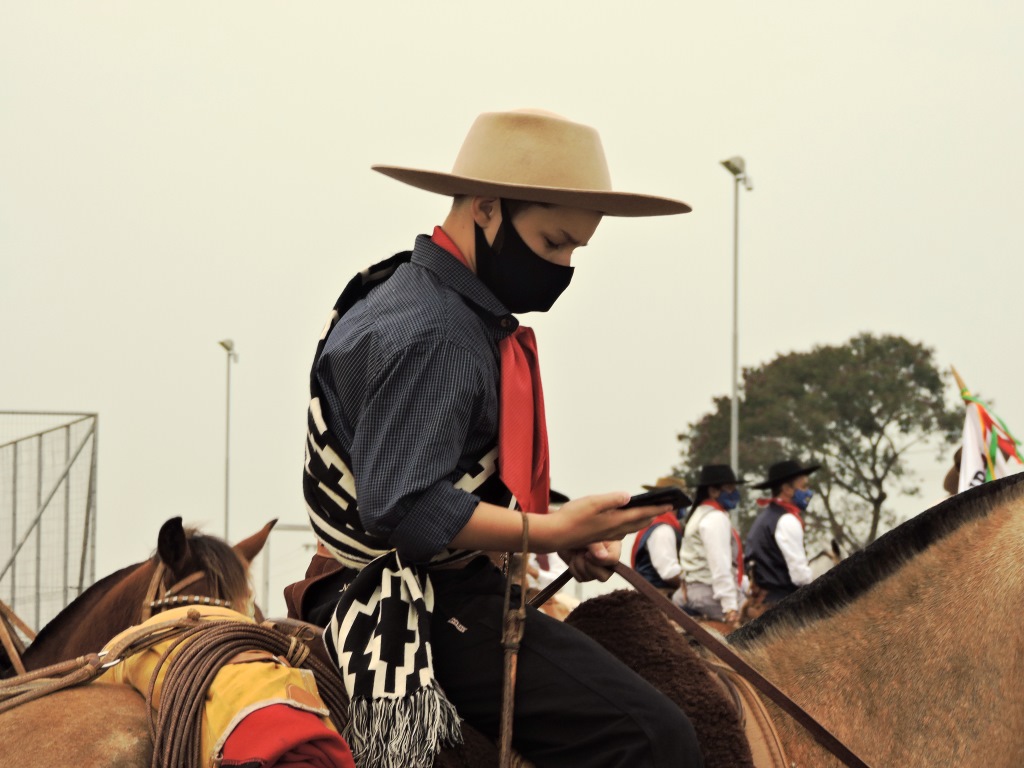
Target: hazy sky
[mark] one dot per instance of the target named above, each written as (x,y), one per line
(173,174)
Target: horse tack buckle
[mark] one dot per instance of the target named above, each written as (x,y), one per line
(108,664)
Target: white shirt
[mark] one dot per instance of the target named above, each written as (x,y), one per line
(789,535)
(716,533)
(661,546)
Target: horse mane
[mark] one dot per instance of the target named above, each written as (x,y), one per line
(79,608)
(226,575)
(854,576)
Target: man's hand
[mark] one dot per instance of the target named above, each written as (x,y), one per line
(578,524)
(593,561)
(588,520)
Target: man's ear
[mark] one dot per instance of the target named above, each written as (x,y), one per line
(486,210)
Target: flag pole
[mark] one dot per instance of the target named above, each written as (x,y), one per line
(965,393)
(960,382)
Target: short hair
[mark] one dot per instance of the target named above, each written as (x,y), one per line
(514,206)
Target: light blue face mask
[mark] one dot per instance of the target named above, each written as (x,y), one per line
(729,499)
(801,496)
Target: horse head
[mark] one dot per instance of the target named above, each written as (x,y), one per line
(192,568)
(188,567)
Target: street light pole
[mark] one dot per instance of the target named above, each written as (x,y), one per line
(229,347)
(738,168)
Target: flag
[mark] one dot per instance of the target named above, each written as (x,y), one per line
(990,451)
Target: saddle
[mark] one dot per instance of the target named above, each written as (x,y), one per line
(766,748)
(758,728)
(311,603)
(325,577)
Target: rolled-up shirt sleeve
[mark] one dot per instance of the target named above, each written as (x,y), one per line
(421,405)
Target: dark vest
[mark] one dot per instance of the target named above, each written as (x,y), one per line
(644,566)
(770,569)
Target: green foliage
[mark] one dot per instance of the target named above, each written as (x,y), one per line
(856,409)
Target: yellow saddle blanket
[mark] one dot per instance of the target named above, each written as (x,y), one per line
(250,681)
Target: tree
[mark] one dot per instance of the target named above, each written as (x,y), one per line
(856,409)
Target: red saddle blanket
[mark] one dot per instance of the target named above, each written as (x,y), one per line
(281,737)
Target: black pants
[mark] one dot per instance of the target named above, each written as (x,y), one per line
(575,704)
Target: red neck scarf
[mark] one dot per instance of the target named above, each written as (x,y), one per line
(735,537)
(523,461)
(789,506)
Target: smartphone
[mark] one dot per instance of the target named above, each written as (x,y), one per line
(658,496)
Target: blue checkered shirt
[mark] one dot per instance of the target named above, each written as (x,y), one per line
(410,376)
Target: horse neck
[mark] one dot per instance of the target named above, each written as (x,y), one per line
(912,671)
(106,608)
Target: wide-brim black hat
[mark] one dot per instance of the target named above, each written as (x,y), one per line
(783,471)
(717,474)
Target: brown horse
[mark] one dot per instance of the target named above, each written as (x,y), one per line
(105,726)
(876,649)
(121,600)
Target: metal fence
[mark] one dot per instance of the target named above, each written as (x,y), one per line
(47,510)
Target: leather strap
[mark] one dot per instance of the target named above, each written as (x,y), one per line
(820,734)
(511,637)
(157,597)
(549,591)
(9,639)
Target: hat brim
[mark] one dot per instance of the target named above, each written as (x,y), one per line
(607,203)
(778,480)
(724,482)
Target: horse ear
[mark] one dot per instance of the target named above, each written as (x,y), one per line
(250,547)
(172,545)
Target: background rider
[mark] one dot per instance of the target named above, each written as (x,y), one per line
(775,542)
(655,554)
(711,552)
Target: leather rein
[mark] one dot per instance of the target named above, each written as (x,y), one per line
(158,597)
(10,642)
(819,732)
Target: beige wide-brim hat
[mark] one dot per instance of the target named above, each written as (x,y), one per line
(668,482)
(538,157)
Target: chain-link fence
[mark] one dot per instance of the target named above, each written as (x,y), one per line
(47,511)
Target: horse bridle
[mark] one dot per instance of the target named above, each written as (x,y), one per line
(157,597)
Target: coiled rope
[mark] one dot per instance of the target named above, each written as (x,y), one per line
(193,661)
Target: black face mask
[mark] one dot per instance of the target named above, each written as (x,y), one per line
(522,280)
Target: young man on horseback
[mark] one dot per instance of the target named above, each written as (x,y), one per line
(775,542)
(426,428)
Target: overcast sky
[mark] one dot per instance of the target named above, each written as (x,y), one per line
(173,174)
